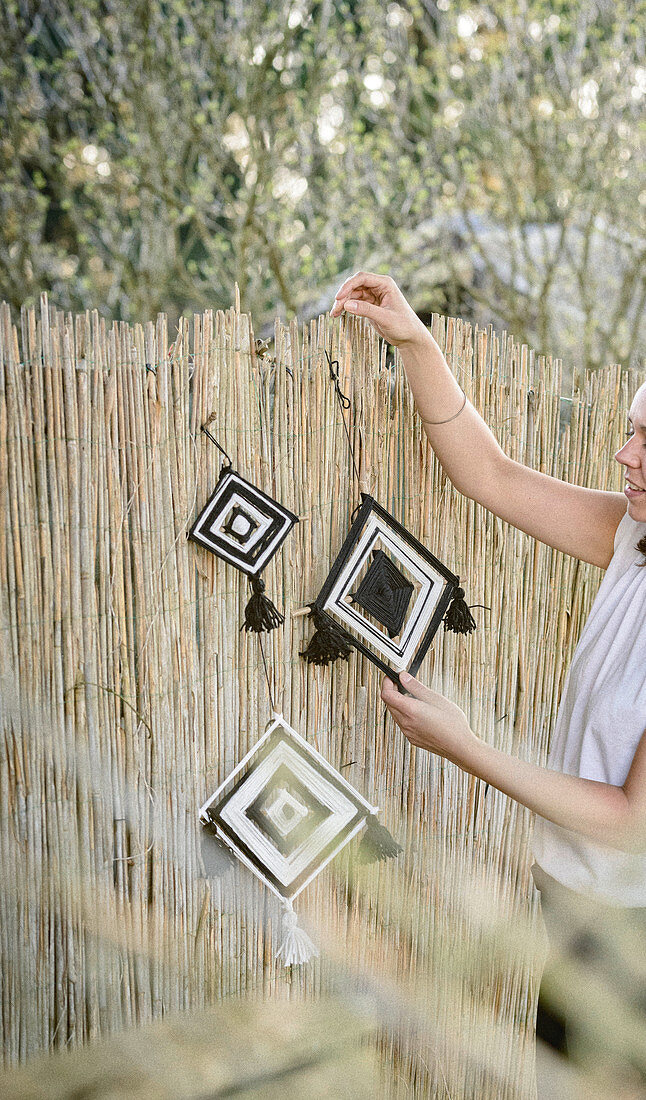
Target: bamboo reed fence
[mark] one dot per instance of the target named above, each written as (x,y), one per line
(129,691)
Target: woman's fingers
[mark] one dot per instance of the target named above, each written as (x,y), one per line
(428,720)
(400,706)
(389,691)
(359,293)
(361,308)
(380,300)
(363,286)
(417,689)
(363,279)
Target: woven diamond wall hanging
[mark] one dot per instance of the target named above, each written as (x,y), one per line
(285,813)
(386,595)
(245,527)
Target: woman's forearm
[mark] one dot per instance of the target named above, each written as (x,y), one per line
(615,816)
(438,396)
(599,811)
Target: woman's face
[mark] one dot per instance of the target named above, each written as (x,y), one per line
(633,458)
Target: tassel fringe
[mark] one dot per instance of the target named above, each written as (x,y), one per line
(458,617)
(377,843)
(260,613)
(327,643)
(296,947)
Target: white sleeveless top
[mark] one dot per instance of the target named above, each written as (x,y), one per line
(600,721)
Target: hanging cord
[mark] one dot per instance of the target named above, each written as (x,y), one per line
(330,641)
(355,510)
(214,440)
(344,402)
(262,654)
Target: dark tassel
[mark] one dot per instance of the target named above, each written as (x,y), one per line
(458,617)
(260,613)
(376,842)
(216,855)
(327,643)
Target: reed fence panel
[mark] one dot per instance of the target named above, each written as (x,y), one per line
(129,690)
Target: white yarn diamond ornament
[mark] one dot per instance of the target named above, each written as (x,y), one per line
(285,813)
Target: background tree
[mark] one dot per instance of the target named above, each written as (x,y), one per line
(154,154)
(531,115)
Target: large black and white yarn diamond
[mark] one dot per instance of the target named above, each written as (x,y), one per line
(386,591)
(284,811)
(242,524)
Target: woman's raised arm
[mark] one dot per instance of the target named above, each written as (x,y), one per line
(579,521)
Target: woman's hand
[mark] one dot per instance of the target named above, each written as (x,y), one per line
(429,720)
(609,815)
(378,298)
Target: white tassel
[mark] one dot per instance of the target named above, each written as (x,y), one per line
(296,946)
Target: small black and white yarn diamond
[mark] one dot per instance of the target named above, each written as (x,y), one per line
(284,811)
(242,524)
(386,595)
(245,527)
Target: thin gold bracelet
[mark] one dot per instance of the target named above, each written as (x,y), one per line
(449,418)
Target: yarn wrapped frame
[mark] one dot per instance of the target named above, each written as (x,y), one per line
(386,595)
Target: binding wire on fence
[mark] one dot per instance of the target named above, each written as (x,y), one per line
(129,690)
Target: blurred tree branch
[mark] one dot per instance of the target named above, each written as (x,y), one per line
(154,154)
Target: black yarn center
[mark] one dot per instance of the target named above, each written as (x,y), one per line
(384,593)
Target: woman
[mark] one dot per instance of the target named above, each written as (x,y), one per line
(590,837)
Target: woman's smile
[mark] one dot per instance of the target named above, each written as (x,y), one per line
(632,455)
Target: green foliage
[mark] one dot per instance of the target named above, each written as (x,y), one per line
(154,154)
